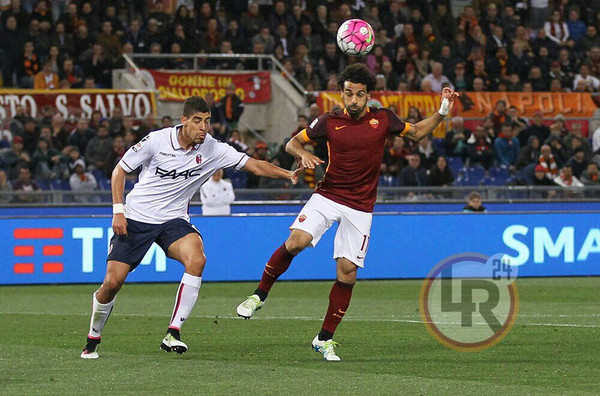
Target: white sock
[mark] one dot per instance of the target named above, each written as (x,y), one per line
(100,314)
(186,297)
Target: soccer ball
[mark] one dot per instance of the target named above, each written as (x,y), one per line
(355,37)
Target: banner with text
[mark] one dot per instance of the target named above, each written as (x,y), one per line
(252,87)
(77,103)
(74,249)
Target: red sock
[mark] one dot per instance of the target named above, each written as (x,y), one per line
(277,265)
(339,300)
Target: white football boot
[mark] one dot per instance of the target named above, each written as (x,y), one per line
(250,305)
(327,348)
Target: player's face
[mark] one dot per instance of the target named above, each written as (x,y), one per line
(355,97)
(197,126)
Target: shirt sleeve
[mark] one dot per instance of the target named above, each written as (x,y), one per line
(139,154)
(230,157)
(396,126)
(316,130)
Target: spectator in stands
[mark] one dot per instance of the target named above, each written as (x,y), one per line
(45,161)
(232,106)
(536,128)
(261,152)
(46,79)
(440,174)
(109,41)
(591,176)
(556,29)
(217,195)
(474,204)
(25,184)
(5,188)
(591,83)
(116,153)
(29,66)
(566,178)
(437,78)
(98,65)
(72,73)
(15,158)
(411,78)
(81,135)
(479,148)
(252,20)
(148,125)
(82,182)
(236,141)
(591,39)
(413,175)
(578,162)
(548,162)
(541,180)
(506,147)
(530,153)
(575,26)
(455,140)
(218,123)
(427,152)
(98,148)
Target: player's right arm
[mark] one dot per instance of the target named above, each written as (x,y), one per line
(295,147)
(138,154)
(117,182)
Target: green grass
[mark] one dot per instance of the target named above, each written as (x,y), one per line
(552,349)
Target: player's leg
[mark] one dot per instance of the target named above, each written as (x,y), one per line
(125,253)
(339,301)
(350,248)
(307,230)
(103,301)
(188,250)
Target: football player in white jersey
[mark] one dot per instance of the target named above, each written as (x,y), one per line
(175,162)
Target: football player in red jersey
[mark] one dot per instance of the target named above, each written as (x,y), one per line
(355,139)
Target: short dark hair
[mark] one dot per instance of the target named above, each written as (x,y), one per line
(195,104)
(357,73)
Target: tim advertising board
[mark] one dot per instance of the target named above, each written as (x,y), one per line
(73,250)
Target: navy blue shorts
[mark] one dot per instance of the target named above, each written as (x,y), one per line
(131,248)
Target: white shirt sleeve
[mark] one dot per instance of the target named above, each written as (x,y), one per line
(229,157)
(138,154)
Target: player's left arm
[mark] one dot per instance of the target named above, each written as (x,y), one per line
(423,128)
(265,168)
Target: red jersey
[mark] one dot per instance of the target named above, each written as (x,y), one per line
(355,154)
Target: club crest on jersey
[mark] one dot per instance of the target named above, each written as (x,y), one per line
(301,218)
(198,158)
(174,174)
(374,123)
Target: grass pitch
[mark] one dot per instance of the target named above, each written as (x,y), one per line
(552,349)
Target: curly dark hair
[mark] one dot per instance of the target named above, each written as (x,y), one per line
(357,73)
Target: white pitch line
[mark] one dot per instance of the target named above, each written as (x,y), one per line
(310,318)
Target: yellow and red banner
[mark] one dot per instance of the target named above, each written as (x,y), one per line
(251,87)
(479,104)
(77,103)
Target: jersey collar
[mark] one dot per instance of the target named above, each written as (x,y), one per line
(175,141)
(366,114)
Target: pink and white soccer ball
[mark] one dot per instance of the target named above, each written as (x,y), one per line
(355,37)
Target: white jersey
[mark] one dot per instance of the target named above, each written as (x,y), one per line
(217,198)
(171,175)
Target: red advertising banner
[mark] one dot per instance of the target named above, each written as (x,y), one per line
(253,87)
(77,103)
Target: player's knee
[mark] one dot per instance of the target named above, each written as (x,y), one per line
(112,285)
(297,243)
(195,266)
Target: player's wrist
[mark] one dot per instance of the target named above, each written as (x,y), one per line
(444,107)
(118,208)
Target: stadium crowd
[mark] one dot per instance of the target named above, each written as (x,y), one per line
(500,45)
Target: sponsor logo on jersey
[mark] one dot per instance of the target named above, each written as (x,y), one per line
(301,218)
(166,154)
(374,123)
(174,174)
(198,158)
(139,144)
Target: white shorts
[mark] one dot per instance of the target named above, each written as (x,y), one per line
(352,237)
